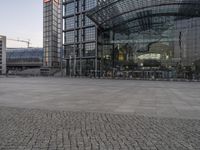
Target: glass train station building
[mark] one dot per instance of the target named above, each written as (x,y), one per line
(132,38)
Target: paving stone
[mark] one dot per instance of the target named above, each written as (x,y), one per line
(37,129)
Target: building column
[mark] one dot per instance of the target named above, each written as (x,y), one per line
(96,52)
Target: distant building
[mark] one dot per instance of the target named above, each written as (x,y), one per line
(2,55)
(24,58)
(52,33)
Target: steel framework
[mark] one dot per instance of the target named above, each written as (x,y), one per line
(140,15)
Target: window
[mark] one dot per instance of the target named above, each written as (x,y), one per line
(69,37)
(89,34)
(88,21)
(89,4)
(69,9)
(89,49)
(69,23)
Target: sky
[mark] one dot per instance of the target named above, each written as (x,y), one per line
(22,19)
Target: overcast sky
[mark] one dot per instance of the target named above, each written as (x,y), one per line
(22,19)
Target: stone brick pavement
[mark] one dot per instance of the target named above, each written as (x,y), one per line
(35,129)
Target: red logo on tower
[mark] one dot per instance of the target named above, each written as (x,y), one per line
(46,1)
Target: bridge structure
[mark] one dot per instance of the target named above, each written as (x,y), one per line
(24,58)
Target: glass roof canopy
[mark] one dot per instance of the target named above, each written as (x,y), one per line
(133,16)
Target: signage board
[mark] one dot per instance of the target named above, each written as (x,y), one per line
(46,1)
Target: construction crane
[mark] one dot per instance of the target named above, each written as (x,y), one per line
(23,41)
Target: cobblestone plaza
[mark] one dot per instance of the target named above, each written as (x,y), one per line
(90,114)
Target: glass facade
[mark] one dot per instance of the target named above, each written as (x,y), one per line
(1,43)
(16,55)
(148,39)
(52,33)
(2,55)
(79,37)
